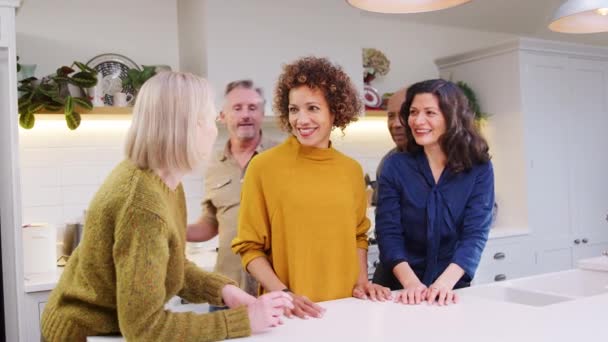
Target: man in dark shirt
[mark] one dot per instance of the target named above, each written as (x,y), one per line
(395,127)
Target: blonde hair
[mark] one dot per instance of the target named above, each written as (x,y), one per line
(163,132)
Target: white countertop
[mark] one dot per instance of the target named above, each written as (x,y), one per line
(506,232)
(37,282)
(475,318)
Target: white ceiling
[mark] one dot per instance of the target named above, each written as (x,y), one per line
(520,17)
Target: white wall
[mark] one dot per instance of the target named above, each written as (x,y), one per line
(253,39)
(192,30)
(61,170)
(55,33)
(412,47)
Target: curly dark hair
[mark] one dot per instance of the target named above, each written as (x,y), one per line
(462,144)
(318,73)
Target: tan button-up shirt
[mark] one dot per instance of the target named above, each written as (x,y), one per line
(220,207)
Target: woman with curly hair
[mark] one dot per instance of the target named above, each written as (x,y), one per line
(302,224)
(434,202)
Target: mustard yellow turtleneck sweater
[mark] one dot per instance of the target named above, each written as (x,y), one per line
(130,262)
(304,209)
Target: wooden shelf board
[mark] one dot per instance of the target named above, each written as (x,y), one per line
(96,110)
(375,112)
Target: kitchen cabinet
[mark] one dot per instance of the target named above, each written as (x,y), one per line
(505,259)
(4,27)
(10,198)
(547,137)
(33,308)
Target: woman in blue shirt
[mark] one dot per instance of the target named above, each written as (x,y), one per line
(435,200)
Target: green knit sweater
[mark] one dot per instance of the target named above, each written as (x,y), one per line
(130,262)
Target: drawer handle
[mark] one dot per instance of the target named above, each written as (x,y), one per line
(577,241)
(500,277)
(585,240)
(499,256)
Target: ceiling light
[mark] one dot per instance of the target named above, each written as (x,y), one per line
(581,16)
(404,6)
(602,11)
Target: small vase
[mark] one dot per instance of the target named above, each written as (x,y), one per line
(368,78)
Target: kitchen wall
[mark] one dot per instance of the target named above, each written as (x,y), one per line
(61,170)
(253,39)
(57,32)
(412,47)
(221,39)
(192,30)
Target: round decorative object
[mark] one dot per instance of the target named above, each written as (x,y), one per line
(112,70)
(371,98)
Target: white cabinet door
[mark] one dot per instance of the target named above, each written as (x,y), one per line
(4,27)
(588,159)
(590,250)
(545,106)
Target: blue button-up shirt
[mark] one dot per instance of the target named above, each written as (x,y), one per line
(430,225)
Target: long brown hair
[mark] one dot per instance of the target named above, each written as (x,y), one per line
(462,144)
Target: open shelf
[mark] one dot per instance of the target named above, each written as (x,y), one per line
(375,112)
(109,110)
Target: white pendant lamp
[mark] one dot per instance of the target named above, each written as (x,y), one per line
(404,6)
(581,16)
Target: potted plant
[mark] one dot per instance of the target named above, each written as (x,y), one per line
(375,63)
(473,102)
(52,93)
(136,78)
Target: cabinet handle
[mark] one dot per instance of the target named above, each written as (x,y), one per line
(585,240)
(500,277)
(577,241)
(499,256)
(606,217)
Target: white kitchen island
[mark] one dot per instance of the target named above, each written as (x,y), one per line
(563,306)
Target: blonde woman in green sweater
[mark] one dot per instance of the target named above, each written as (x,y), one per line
(131,260)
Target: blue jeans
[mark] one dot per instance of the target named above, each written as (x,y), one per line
(213,308)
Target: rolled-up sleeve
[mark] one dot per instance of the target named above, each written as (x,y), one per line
(476,222)
(389,232)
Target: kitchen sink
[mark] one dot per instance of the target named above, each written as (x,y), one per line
(574,283)
(545,289)
(513,295)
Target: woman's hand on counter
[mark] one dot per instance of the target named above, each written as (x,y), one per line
(372,291)
(265,312)
(442,293)
(303,307)
(234,297)
(414,293)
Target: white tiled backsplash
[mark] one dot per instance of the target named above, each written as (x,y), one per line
(61,169)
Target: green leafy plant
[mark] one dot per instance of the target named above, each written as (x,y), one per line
(52,94)
(473,102)
(136,78)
